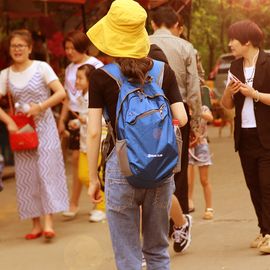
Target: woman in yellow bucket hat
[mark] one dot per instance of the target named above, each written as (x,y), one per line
(121,34)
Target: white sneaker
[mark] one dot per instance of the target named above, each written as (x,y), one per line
(92,212)
(97,216)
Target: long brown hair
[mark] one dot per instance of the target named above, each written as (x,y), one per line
(135,68)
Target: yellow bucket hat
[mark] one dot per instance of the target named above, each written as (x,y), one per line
(122,33)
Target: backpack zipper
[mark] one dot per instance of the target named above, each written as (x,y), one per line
(139,94)
(160,110)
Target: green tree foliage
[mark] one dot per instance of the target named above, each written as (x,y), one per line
(210,20)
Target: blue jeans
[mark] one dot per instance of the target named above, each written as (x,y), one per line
(123,212)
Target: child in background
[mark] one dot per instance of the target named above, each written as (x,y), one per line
(82,83)
(12,128)
(200,156)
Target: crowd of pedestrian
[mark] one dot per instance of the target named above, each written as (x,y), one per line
(91,91)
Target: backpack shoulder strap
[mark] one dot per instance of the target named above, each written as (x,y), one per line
(114,71)
(157,72)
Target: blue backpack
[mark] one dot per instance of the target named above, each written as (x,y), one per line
(146,144)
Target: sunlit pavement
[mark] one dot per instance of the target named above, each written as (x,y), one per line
(222,243)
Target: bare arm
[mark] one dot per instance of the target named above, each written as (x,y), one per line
(248,91)
(207,116)
(263,97)
(59,94)
(63,116)
(94,131)
(64,111)
(179,113)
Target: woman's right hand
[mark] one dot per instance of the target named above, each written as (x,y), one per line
(12,127)
(227,99)
(232,88)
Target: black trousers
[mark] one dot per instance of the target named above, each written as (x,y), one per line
(255,160)
(181,181)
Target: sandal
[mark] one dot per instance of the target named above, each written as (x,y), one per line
(208,213)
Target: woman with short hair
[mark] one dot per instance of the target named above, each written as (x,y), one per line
(76,45)
(248,90)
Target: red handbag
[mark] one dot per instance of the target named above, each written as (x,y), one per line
(25,140)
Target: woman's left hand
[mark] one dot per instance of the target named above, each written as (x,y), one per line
(248,91)
(34,111)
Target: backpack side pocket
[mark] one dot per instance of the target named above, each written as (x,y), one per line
(123,162)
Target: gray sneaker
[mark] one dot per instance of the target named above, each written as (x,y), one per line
(97,216)
(181,235)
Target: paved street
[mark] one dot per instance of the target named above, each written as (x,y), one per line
(222,243)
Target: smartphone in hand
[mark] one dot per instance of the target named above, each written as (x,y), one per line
(233,77)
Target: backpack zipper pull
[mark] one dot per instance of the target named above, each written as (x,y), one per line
(161,112)
(139,94)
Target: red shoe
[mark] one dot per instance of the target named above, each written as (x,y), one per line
(34,236)
(49,235)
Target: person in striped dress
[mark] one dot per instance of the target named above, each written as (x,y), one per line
(40,173)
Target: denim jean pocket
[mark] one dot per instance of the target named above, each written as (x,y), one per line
(164,193)
(120,194)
